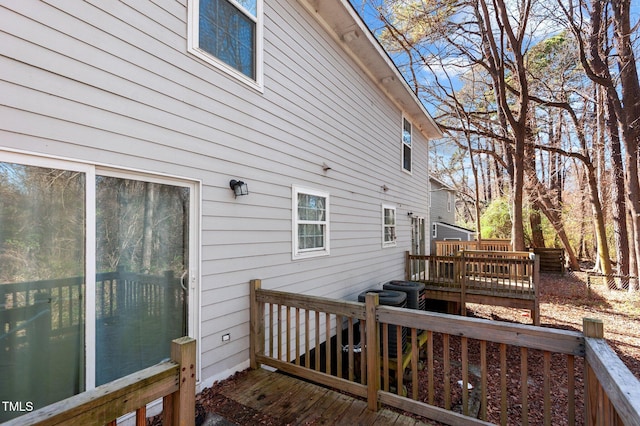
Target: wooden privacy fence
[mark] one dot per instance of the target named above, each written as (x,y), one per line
(346,345)
(551,259)
(174,381)
(487,277)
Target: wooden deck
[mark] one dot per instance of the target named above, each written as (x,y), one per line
(296,402)
(486,277)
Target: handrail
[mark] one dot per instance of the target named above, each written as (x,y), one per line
(174,381)
(614,392)
(606,378)
(447,248)
(522,335)
(114,290)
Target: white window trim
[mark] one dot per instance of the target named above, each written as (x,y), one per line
(393,243)
(402,145)
(91,170)
(193,37)
(296,252)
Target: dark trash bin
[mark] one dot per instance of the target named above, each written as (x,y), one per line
(390,298)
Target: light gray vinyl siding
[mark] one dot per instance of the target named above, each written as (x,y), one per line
(446,232)
(112,83)
(439,203)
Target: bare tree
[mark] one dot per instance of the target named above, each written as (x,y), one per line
(590,24)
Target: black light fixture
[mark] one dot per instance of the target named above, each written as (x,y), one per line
(239,187)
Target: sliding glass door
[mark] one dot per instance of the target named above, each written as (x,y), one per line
(94,277)
(142,257)
(42,269)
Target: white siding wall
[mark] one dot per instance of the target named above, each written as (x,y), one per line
(111,82)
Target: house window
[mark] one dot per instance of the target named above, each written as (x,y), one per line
(434,231)
(388,226)
(406,145)
(228,34)
(449,197)
(95,267)
(310,223)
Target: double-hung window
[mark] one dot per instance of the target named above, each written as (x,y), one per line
(406,145)
(388,226)
(310,223)
(96,273)
(228,34)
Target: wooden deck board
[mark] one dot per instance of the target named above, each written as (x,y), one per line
(334,412)
(318,414)
(248,391)
(298,402)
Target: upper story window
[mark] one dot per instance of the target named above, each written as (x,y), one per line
(406,145)
(449,201)
(310,223)
(228,34)
(388,226)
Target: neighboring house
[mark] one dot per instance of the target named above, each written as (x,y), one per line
(443,215)
(123,126)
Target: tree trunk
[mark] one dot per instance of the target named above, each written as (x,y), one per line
(600,135)
(498,37)
(476,181)
(517,199)
(147,233)
(535,220)
(537,237)
(549,210)
(598,220)
(630,88)
(619,205)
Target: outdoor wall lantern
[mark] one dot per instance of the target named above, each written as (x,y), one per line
(239,187)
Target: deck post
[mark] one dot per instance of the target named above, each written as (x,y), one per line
(462,276)
(256,339)
(592,409)
(180,407)
(536,287)
(372,351)
(407,265)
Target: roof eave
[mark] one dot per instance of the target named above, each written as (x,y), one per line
(343,23)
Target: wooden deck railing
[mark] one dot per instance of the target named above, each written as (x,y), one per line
(41,321)
(613,394)
(450,248)
(486,277)
(303,335)
(532,370)
(174,381)
(116,291)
